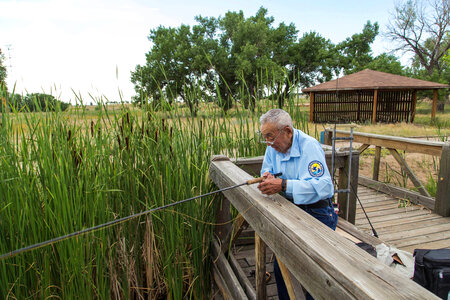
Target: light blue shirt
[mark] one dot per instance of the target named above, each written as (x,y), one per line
(304,167)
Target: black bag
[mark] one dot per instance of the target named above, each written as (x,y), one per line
(432,270)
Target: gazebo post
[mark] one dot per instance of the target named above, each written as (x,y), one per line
(414,104)
(374,109)
(433,108)
(311,107)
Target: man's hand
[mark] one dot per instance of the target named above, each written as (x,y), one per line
(270,185)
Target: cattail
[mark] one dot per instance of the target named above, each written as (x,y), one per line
(128,118)
(164,124)
(156,136)
(126,142)
(121,130)
(92,128)
(118,140)
(69,136)
(171,132)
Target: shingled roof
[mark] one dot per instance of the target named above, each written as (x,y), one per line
(375,80)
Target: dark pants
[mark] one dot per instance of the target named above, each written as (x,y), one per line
(325,215)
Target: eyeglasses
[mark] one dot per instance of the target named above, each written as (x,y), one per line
(269,141)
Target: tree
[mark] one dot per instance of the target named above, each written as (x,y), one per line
(421,29)
(387,63)
(355,53)
(2,69)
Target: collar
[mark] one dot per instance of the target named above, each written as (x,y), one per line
(294,151)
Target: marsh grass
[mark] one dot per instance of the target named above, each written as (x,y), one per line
(65,171)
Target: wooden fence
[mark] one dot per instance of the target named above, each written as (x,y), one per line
(441,203)
(363,105)
(328,265)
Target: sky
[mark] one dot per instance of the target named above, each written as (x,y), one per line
(90,47)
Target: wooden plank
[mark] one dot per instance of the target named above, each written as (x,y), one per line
(245,283)
(429,245)
(398,211)
(396,216)
(392,222)
(260,268)
(230,280)
(395,236)
(442,204)
(381,202)
(376,208)
(409,172)
(412,225)
(220,282)
(397,192)
(357,233)
(303,244)
(376,163)
(395,142)
(437,236)
(311,107)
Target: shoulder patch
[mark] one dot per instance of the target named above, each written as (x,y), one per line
(315,168)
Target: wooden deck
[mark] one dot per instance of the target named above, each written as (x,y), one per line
(406,228)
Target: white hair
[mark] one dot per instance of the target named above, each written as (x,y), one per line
(278,117)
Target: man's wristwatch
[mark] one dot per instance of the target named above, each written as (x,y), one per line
(283,185)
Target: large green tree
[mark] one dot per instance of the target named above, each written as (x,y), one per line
(233,58)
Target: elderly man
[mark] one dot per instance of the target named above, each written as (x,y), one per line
(306,180)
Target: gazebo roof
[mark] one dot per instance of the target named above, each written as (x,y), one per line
(375,80)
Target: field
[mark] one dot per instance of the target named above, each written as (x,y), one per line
(65,171)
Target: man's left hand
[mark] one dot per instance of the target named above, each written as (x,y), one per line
(270,186)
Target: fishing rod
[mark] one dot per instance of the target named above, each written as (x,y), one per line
(124,219)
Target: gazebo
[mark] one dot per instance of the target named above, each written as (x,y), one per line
(368,96)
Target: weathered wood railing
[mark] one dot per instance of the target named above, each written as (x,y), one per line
(328,265)
(440,204)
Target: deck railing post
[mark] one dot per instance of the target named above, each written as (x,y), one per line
(442,204)
(260,266)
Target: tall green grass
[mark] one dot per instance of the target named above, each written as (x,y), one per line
(64,171)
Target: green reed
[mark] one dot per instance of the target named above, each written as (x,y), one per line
(65,171)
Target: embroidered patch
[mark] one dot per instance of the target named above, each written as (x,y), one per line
(315,168)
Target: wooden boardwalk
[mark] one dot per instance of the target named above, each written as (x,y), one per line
(406,228)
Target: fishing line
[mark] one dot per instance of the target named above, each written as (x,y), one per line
(121,220)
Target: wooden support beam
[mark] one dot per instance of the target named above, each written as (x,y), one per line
(363,148)
(442,205)
(325,263)
(348,210)
(376,163)
(311,107)
(228,278)
(395,142)
(374,108)
(235,230)
(223,216)
(414,104)
(287,279)
(422,190)
(245,283)
(398,192)
(434,105)
(260,268)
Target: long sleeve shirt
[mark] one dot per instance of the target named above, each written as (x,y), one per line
(304,168)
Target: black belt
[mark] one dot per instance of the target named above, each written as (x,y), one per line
(319,204)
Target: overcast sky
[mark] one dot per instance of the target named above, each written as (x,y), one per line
(91,46)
